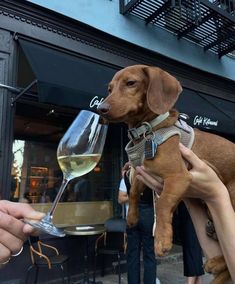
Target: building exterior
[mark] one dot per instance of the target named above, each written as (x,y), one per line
(57,57)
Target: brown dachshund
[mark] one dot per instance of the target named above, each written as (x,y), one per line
(139,94)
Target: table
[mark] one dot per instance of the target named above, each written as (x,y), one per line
(85,230)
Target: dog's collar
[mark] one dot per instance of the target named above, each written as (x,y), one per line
(146,127)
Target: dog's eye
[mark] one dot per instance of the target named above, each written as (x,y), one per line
(130,83)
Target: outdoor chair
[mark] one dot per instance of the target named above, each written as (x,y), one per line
(112,242)
(47,257)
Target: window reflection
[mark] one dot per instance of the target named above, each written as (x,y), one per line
(78,190)
(18,149)
(34,171)
(36,176)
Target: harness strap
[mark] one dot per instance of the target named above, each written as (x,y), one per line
(146,127)
(135,152)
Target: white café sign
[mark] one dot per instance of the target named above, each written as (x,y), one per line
(204,121)
(95,101)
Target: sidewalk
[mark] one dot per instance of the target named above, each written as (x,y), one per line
(169,271)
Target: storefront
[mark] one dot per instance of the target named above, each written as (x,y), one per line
(63,84)
(52,67)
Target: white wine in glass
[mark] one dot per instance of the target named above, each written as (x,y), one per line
(78,153)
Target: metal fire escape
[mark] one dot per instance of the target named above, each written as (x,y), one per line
(208,23)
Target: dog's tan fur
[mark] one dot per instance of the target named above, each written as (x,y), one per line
(139,93)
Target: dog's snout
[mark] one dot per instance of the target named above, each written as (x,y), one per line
(103,108)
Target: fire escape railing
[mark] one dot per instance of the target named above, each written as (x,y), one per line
(210,24)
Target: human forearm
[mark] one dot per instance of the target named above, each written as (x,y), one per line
(199,218)
(223,214)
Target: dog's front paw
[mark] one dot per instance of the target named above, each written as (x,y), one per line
(162,247)
(215,265)
(132,218)
(163,240)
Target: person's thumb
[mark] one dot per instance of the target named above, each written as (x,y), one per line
(34,215)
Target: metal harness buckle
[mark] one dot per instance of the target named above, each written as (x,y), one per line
(133,134)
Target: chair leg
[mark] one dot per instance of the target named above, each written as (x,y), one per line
(102,265)
(27,274)
(68,272)
(62,269)
(94,272)
(36,276)
(119,269)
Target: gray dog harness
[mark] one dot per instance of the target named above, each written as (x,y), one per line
(136,152)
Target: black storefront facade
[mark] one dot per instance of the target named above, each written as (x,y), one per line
(51,67)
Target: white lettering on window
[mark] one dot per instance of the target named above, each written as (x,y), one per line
(204,121)
(95,101)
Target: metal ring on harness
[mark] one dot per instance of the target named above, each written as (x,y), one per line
(148,127)
(149,135)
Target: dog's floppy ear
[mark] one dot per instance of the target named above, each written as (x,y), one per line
(163,90)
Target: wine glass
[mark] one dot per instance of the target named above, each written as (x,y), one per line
(78,153)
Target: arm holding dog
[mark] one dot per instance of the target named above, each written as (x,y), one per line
(218,201)
(206,183)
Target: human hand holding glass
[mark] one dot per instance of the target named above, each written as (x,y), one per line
(78,153)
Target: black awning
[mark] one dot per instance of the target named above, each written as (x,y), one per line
(67,80)
(208,112)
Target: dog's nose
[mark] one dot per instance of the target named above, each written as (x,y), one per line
(103,108)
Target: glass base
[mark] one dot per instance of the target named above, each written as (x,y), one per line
(46,227)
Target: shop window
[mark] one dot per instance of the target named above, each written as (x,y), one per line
(36,176)
(32,173)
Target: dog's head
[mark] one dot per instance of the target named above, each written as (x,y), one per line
(137,90)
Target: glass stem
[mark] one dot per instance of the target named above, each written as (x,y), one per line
(58,196)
